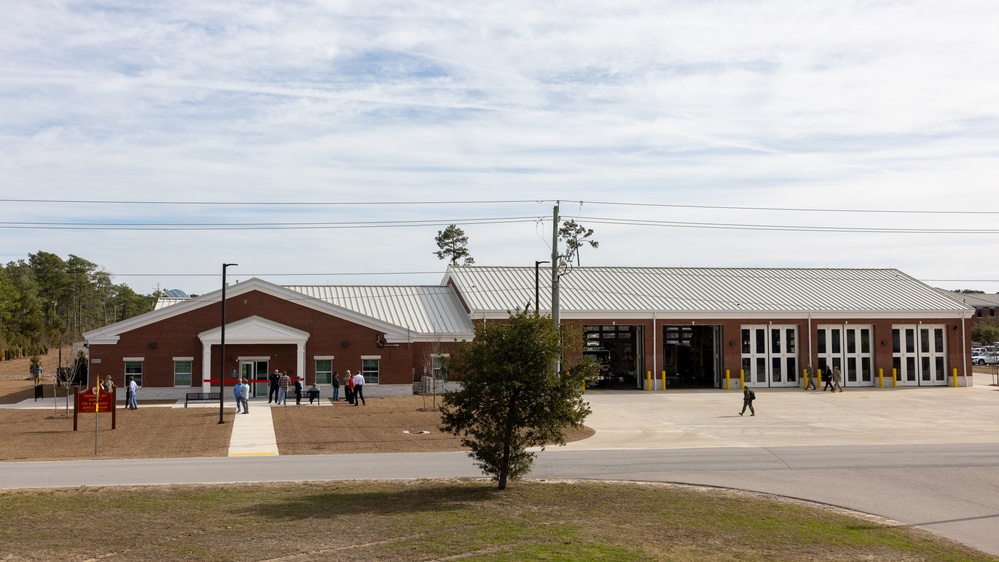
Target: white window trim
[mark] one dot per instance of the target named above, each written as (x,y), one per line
(373,357)
(132,359)
(183,360)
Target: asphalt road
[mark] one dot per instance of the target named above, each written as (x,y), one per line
(947,489)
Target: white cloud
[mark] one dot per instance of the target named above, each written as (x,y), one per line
(837,105)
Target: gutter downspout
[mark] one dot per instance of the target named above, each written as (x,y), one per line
(964,351)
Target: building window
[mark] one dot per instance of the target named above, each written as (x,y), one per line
(134,369)
(370,368)
(440,366)
(182,371)
(324,371)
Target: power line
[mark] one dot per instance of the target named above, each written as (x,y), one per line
(272,203)
(259,225)
(497,202)
(263,226)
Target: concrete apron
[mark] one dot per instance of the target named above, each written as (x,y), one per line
(788,417)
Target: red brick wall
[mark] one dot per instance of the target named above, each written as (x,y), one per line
(807,346)
(329,335)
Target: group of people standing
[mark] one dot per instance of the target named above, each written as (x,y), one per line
(353,388)
(131,389)
(281,382)
(241,391)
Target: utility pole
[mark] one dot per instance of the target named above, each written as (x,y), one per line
(555,272)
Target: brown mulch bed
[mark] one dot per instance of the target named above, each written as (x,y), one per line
(35,435)
(378,427)
(162,432)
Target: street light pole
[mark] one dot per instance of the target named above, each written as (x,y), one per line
(537,302)
(222,349)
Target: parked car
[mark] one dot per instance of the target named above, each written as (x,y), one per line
(982,358)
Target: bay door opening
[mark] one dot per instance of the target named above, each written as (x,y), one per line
(692,356)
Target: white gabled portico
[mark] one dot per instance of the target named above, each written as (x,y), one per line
(250,331)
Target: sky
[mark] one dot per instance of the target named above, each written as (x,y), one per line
(327,142)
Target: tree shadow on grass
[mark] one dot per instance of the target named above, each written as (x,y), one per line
(349,501)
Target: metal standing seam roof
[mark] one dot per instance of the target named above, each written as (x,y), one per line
(702,290)
(422,309)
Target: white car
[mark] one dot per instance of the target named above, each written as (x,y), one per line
(981,358)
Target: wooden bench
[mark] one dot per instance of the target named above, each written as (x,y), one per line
(201,397)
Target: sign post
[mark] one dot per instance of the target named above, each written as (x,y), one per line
(96,401)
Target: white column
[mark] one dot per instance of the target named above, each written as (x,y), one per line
(300,364)
(206,366)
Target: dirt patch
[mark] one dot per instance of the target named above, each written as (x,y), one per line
(405,424)
(35,435)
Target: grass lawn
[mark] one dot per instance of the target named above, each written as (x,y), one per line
(444,520)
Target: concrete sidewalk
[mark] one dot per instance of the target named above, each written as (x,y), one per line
(253,434)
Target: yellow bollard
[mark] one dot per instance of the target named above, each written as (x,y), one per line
(648,381)
(728,381)
(818,378)
(955,377)
(742,379)
(881,378)
(894,377)
(664,380)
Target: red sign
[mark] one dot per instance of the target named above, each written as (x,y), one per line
(94,400)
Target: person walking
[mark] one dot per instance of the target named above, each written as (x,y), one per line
(811,379)
(348,384)
(747,401)
(827,377)
(133,389)
(336,386)
(284,381)
(275,385)
(359,388)
(108,384)
(237,393)
(298,391)
(245,393)
(837,378)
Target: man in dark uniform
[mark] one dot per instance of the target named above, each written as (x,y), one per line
(275,380)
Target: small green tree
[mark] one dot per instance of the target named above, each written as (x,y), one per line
(511,397)
(453,245)
(575,237)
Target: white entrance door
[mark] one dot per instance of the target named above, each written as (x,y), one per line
(919,355)
(254,370)
(849,348)
(770,355)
